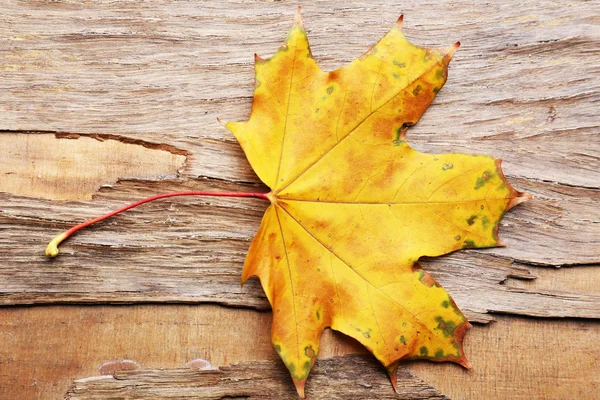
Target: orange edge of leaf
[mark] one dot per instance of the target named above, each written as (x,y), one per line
(399,21)
(459,335)
(298,19)
(392,371)
(301,383)
(516,198)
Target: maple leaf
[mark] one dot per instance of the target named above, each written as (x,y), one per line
(354,206)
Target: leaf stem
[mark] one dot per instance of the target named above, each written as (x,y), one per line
(52,249)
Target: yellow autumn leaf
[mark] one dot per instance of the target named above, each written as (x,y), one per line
(353,206)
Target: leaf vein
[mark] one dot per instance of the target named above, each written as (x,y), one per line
(357,273)
(403,90)
(291,285)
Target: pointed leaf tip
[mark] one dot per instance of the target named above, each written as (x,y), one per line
(518,199)
(459,335)
(300,198)
(258,58)
(465,363)
(450,50)
(300,383)
(399,21)
(221,122)
(392,371)
(298,19)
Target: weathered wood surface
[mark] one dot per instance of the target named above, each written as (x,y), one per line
(34,165)
(193,251)
(523,86)
(350,377)
(43,349)
(85,86)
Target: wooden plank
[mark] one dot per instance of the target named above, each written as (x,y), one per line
(522,86)
(350,377)
(34,165)
(192,250)
(43,349)
(159,77)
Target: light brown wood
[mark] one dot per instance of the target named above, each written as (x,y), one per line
(521,87)
(350,377)
(160,81)
(192,250)
(150,79)
(34,165)
(45,348)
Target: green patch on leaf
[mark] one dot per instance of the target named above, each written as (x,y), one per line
(307,366)
(398,141)
(485,222)
(468,244)
(483,179)
(447,327)
(309,351)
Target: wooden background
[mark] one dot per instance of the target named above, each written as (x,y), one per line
(103,103)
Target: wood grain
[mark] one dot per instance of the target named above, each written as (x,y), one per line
(34,165)
(523,85)
(192,250)
(350,377)
(43,349)
(162,74)
(120,81)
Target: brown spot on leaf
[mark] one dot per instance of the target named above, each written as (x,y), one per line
(416,267)
(384,180)
(424,277)
(428,280)
(309,351)
(334,76)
